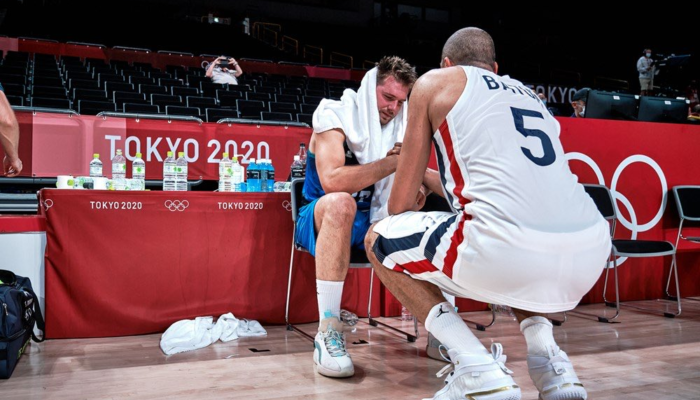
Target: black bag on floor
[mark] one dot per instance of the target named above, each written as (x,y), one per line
(19,311)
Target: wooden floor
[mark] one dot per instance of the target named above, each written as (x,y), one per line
(643,357)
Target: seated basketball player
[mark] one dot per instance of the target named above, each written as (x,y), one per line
(352,154)
(523,232)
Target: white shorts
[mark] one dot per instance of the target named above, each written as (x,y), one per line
(521,268)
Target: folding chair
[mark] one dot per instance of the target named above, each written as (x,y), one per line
(632,249)
(688,205)
(358,259)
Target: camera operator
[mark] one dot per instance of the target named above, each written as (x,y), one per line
(224,70)
(644,65)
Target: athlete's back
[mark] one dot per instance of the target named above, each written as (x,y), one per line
(502,162)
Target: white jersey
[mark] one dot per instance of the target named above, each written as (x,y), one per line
(501,160)
(523,233)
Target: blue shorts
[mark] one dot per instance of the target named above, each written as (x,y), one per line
(306,232)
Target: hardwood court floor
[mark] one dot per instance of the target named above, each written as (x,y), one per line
(643,357)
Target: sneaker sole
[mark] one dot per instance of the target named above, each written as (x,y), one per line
(567,391)
(333,374)
(502,393)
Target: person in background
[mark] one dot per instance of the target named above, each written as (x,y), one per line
(224,70)
(644,65)
(9,138)
(578,102)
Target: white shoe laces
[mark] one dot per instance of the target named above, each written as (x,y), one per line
(496,353)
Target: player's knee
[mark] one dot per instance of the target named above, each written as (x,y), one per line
(341,206)
(370,238)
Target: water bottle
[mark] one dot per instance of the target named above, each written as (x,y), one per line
(253,176)
(503,310)
(119,171)
(181,172)
(169,172)
(262,166)
(138,171)
(405,314)
(297,168)
(95,166)
(349,318)
(302,155)
(225,172)
(270,176)
(237,176)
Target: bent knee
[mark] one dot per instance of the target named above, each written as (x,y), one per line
(340,205)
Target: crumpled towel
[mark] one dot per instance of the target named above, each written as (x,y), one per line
(187,335)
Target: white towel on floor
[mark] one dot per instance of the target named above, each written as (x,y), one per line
(250,328)
(195,334)
(357,115)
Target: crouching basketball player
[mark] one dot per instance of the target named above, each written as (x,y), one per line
(523,232)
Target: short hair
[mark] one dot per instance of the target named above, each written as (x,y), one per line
(397,67)
(581,94)
(470,46)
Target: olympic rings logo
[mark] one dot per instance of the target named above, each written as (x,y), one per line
(633,225)
(287,205)
(176,205)
(47,204)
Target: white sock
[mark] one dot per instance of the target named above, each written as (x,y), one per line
(446,325)
(539,336)
(329,294)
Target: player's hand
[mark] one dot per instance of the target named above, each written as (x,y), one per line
(423,193)
(12,167)
(395,151)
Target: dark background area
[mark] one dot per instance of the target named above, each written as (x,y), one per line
(593,46)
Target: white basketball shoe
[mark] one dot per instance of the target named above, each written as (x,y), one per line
(554,376)
(330,355)
(475,378)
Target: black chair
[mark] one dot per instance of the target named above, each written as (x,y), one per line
(250,108)
(358,259)
(78,75)
(120,98)
(266,89)
(316,93)
(275,116)
(632,249)
(13,78)
(153,89)
(112,87)
(258,96)
(312,100)
(47,81)
(83,84)
(89,94)
(141,108)
(184,91)
(87,107)
(166,100)
(15,100)
(54,92)
(216,114)
(308,108)
(286,98)
(179,110)
(169,82)
(141,80)
(283,107)
(688,206)
(291,91)
(14,89)
(51,102)
(201,102)
(305,118)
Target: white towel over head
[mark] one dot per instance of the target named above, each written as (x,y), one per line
(356,114)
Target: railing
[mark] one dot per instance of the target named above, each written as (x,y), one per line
(341,60)
(35,110)
(125,48)
(290,45)
(313,54)
(138,116)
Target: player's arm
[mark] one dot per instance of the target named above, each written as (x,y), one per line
(431,180)
(335,176)
(415,151)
